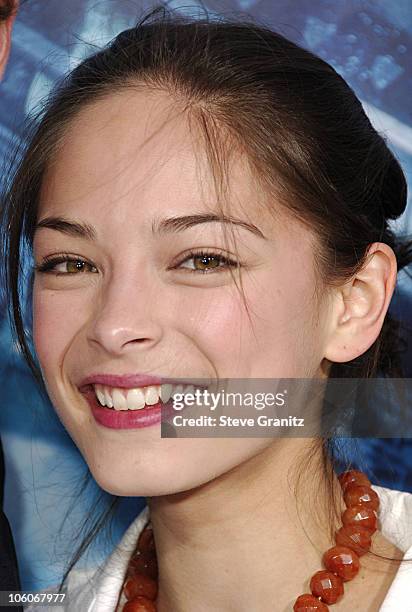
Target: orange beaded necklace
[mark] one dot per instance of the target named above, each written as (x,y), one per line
(353,539)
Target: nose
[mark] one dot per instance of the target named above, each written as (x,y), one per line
(124,316)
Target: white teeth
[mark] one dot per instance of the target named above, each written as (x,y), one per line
(151,395)
(166,392)
(100,396)
(127,399)
(177,389)
(119,400)
(138,397)
(189,389)
(135,399)
(108,397)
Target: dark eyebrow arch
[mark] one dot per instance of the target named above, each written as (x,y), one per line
(72,228)
(177,224)
(171,224)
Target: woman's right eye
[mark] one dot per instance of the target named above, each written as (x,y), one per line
(73,265)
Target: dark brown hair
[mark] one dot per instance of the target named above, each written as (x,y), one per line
(305,133)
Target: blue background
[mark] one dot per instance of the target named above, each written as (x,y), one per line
(368,43)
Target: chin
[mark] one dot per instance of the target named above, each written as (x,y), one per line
(146,485)
(124,485)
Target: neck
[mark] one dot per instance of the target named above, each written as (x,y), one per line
(244,538)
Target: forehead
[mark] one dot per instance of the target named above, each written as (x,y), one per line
(138,150)
(133,158)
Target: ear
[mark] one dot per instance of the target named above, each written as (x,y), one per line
(5,39)
(359,306)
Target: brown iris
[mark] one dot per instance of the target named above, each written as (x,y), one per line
(205,260)
(75,265)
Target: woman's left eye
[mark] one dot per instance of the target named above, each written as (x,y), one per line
(207,262)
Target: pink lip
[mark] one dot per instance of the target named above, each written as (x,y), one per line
(132,380)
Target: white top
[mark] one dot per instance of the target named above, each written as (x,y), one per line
(98,590)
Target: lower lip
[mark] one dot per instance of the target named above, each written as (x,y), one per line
(128,419)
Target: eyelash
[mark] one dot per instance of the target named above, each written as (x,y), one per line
(48,263)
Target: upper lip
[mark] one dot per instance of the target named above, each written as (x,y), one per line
(135,380)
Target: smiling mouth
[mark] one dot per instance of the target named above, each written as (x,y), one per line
(135,398)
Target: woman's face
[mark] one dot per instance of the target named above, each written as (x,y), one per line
(141,304)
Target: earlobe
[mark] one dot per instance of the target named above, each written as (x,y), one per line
(361,305)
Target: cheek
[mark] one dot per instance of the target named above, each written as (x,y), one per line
(213,320)
(54,325)
(275,340)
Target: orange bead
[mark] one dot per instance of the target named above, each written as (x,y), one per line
(146,541)
(140,604)
(342,561)
(327,586)
(140,585)
(355,537)
(353,477)
(361,496)
(361,515)
(309,603)
(143,563)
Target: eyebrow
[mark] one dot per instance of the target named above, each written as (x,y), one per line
(177,224)
(171,224)
(67,226)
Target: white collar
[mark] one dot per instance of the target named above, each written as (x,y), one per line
(100,592)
